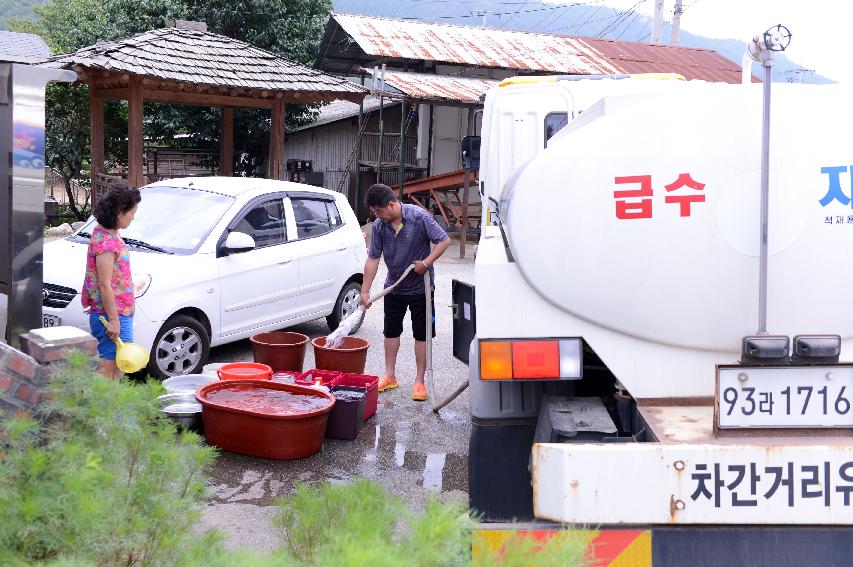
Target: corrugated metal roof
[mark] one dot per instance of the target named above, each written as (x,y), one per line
(482,47)
(522,51)
(440,88)
(692,63)
(339,110)
(205,58)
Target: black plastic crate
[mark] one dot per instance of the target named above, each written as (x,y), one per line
(347,415)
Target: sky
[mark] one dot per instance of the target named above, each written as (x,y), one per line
(819,28)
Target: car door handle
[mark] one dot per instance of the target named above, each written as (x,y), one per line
(285,262)
(343,249)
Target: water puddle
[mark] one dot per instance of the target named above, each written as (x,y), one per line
(433,470)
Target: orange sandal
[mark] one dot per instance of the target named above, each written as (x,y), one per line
(419,393)
(386,384)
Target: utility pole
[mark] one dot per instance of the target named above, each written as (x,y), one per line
(676,22)
(658,21)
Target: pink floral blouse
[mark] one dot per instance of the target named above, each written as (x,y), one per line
(122,285)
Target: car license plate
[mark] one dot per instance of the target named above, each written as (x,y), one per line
(784,396)
(50,320)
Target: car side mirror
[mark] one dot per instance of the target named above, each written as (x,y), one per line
(238,242)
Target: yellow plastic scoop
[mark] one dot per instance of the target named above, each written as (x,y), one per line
(130,357)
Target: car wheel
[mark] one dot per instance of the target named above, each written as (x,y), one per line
(181,347)
(348,301)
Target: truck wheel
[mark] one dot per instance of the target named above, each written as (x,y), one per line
(181,347)
(348,301)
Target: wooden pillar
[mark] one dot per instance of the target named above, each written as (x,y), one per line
(135,141)
(96,139)
(226,143)
(466,192)
(357,169)
(276,157)
(402,172)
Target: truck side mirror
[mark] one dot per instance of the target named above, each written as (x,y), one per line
(471,153)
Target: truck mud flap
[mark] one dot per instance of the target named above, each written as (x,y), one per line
(464,318)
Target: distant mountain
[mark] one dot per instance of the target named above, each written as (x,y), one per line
(585,20)
(10,9)
(533,15)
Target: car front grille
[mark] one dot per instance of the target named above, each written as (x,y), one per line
(57,296)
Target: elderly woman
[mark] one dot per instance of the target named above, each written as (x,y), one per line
(108,286)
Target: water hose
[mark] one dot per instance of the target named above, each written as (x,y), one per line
(428,373)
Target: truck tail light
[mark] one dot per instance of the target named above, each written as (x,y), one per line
(535,359)
(496,360)
(530,359)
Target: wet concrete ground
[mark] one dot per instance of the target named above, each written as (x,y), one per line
(405,446)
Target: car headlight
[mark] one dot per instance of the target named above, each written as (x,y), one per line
(141,283)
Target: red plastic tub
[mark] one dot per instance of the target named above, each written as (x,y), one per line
(351,356)
(281,350)
(370,383)
(264,419)
(309,377)
(244,371)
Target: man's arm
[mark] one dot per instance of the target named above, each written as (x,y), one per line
(421,266)
(440,242)
(370,268)
(374,252)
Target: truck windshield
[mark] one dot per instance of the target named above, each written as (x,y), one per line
(175,219)
(554,122)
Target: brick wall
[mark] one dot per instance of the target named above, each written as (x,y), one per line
(24,374)
(21,380)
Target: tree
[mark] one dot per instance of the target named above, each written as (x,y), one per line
(289,28)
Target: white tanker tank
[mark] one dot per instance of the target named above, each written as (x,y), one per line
(640,222)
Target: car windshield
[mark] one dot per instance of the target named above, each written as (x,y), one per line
(174,219)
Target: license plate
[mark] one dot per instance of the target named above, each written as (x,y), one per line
(784,397)
(50,320)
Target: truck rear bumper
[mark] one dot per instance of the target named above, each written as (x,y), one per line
(681,546)
(691,476)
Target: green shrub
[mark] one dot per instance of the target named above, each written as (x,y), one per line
(101,478)
(361,525)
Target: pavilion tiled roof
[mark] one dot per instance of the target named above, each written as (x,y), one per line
(207,59)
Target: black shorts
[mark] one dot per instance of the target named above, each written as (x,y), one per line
(395,311)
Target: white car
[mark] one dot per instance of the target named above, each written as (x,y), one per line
(218,259)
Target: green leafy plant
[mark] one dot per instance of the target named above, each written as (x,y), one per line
(361,524)
(101,478)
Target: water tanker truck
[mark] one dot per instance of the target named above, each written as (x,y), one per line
(627,373)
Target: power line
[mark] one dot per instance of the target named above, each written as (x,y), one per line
(480,13)
(622,17)
(629,24)
(513,15)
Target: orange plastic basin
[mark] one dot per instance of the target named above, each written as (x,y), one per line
(244,371)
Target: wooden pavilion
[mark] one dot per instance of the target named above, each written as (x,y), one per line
(187,65)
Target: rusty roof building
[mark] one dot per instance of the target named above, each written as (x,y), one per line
(352,41)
